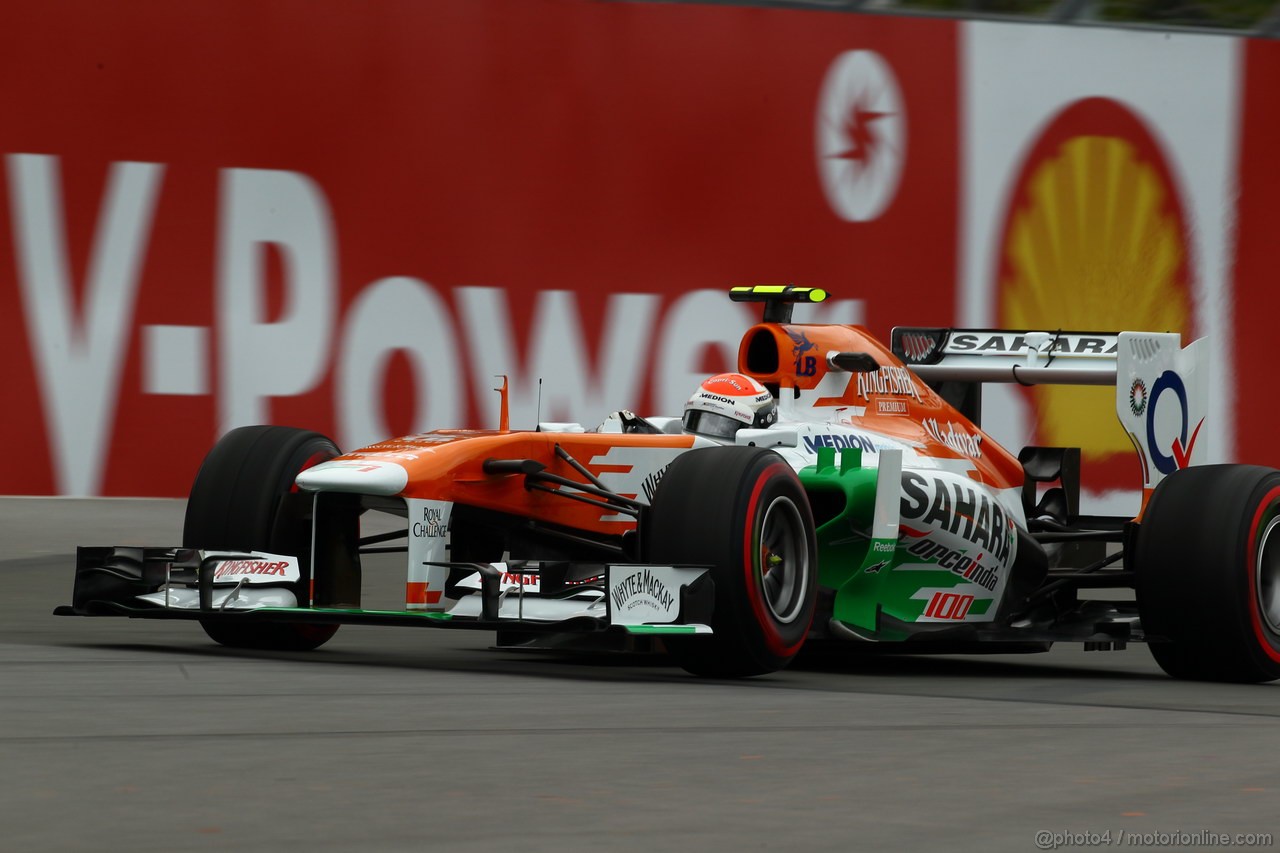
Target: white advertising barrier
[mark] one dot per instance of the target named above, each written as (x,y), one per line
(1099,191)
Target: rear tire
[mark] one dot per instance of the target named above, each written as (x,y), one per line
(742,511)
(236,504)
(1208,562)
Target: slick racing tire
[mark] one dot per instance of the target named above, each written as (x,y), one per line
(236,504)
(742,511)
(1208,563)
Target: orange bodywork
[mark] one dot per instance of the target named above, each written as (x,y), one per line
(447,465)
(891,401)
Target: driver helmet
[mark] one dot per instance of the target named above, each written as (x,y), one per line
(726,403)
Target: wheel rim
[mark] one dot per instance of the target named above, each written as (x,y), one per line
(783,560)
(1267,574)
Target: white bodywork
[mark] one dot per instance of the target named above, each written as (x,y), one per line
(241,581)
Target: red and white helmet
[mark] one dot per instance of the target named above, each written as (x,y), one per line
(726,403)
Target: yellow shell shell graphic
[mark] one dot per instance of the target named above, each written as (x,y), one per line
(1095,243)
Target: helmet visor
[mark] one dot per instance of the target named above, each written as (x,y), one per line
(711,424)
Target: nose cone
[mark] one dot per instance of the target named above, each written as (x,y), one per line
(363,476)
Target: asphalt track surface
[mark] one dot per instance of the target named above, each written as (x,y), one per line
(122,734)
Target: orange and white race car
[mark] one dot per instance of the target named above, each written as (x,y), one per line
(831,488)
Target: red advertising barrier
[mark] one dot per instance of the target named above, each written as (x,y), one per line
(351,217)
(1256,296)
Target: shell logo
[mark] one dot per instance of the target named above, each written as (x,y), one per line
(861,135)
(1094,239)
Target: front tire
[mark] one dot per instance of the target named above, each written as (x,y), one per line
(1208,562)
(742,511)
(238,503)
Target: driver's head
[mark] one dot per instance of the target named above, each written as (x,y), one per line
(726,403)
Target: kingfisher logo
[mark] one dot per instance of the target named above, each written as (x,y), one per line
(241,568)
(894,381)
(861,135)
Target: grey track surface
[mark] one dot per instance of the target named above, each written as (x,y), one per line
(130,735)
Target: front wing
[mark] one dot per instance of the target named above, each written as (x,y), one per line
(551,597)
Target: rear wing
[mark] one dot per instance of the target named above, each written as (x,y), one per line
(1162,388)
(991,355)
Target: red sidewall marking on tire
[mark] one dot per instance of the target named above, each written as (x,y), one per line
(1255,610)
(772,638)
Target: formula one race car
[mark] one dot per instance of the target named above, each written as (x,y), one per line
(831,488)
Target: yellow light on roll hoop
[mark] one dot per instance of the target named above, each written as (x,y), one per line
(803,294)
